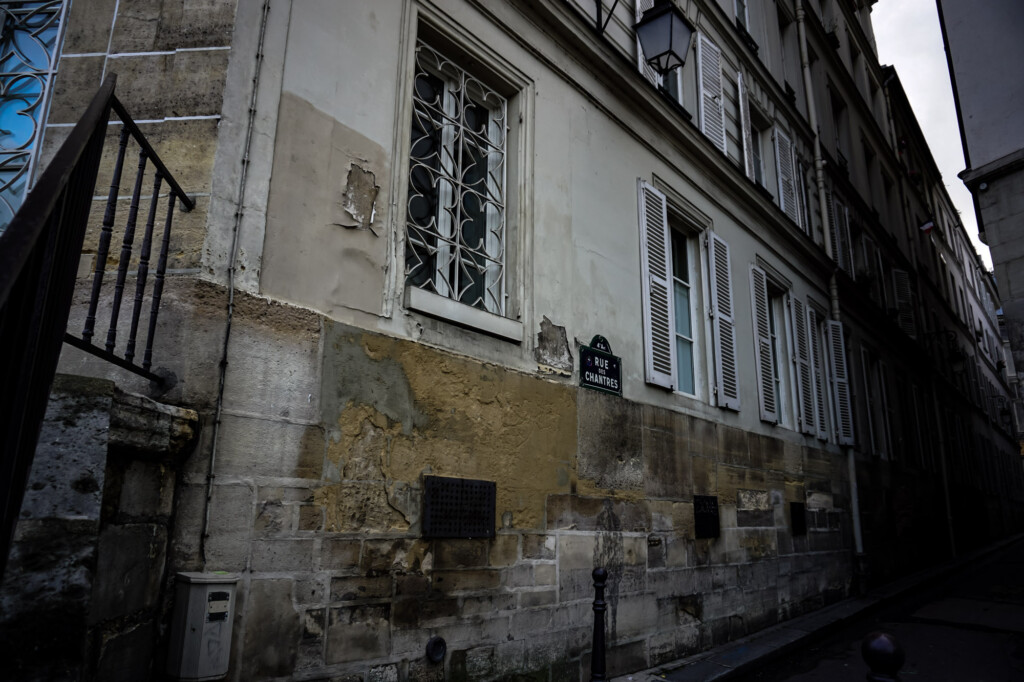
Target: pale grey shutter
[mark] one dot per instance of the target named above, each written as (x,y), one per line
(840,383)
(727,387)
(904,302)
(763,345)
(818,370)
(649,73)
(658,311)
(801,185)
(843,236)
(833,233)
(712,113)
(803,368)
(784,166)
(748,142)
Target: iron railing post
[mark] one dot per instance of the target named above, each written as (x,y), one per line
(597,669)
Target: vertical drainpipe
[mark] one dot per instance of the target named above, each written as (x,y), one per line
(833,288)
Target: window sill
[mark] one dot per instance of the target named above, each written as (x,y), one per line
(429,303)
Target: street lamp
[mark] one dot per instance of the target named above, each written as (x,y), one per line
(664,35)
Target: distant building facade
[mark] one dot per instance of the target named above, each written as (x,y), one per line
(993,139)
(417,222)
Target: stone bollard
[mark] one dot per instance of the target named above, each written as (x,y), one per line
(884,657)
(597,670)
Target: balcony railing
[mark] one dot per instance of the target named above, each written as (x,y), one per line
(40,253)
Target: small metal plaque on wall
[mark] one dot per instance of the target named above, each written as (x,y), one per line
(458,507)
(705,516)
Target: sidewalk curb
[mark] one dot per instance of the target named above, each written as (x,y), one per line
(734,659)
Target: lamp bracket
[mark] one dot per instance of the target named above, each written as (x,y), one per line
(598,26)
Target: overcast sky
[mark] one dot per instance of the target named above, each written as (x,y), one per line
(908,36)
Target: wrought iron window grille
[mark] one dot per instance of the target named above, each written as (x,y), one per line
(456,210)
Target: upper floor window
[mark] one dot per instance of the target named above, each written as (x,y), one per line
(456,221)
(674,331)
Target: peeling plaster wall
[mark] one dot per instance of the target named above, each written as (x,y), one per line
(327,432)
(310,220)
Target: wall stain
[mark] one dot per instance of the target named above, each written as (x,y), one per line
(609,554)
(395,410)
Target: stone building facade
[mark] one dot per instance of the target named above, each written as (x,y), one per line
(412,215)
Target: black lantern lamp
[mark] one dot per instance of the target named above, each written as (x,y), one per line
(664,35)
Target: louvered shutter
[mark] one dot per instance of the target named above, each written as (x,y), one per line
(904,302)
(655,256)
(868,249)
(712,113)
(748,142)
(833,233)
(869,400)
(763,364)
(784,166)
(883,382)
(727,387)
(840,383)
(843,236)
(803,368)
(648,73)
(801,188)
(817,369)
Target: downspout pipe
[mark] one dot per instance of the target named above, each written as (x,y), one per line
(833,287)
(819,162)
(233,256)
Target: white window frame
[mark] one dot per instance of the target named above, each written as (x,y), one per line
(690,246)
(660,230)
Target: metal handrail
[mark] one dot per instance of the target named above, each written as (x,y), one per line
(39,256)
(130,131)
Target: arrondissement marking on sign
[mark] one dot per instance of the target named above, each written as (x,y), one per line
(599,369)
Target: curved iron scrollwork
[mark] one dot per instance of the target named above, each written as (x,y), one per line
(29,52)
(455,228)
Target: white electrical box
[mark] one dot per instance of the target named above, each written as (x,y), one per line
(200,646)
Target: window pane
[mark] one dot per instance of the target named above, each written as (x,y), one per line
(680,258)
(473,216)
(684,362)
(424,176)
(682,303)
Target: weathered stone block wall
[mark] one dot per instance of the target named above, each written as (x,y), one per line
(82,597)
(326,433)
(170,59)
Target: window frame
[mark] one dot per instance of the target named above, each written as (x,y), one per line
(667,219)
(489,68)
(444,124)
(691,246)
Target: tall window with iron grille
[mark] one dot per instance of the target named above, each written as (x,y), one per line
(456,222)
